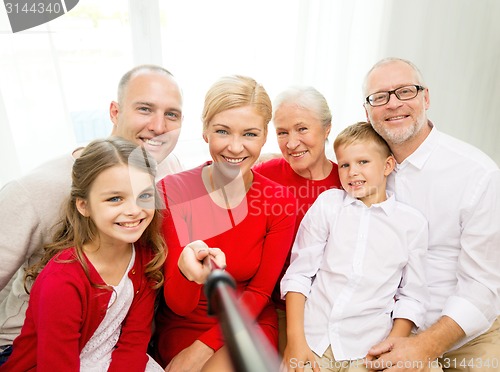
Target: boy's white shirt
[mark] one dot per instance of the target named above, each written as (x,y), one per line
(352,262)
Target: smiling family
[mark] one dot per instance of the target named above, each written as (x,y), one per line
(373,263)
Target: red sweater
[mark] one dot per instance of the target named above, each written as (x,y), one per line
(255,236)
(306,191)
(65,310)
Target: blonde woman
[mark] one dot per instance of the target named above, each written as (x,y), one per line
(226,205)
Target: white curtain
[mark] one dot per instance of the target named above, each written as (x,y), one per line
(456,44)
(33,114)
(56,80)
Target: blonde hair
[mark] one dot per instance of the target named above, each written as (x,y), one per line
(75,230)
(236,91)
(361,132)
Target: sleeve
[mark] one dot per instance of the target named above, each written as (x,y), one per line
(309,246)
(412,295)
(131,348)
(476,301)
(58,336)
(277,244)
(20,234)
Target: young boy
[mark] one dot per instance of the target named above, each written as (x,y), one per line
(358,260)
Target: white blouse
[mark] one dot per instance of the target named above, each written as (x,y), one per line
(96,354)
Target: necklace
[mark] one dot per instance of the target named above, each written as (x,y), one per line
(226,200)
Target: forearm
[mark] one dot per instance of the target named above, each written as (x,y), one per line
(277,240)
(181,294)
(440,337)
(423,348)
(401,328)
(297,350)
(474,303)
(295,303)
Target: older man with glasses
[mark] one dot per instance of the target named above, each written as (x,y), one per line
(457,187)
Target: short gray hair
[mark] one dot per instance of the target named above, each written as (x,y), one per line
(308,98)
(384,61)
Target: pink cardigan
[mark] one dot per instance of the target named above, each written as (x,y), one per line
(65,310)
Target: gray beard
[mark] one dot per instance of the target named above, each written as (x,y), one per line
(398,137)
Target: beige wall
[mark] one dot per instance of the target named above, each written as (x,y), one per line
(456,44)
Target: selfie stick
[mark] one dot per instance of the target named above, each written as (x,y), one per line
(249,349)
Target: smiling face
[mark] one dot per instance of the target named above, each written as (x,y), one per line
(235,138)
(121,205)
(149,113)
(301,138)
(363,170)
(398,122)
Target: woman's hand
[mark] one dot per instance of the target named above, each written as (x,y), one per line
(195,261)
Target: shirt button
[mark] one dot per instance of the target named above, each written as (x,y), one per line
(133,271)
(137,292)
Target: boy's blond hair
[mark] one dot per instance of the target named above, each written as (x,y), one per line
(361,131)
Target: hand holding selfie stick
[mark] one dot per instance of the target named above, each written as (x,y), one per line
(249,349)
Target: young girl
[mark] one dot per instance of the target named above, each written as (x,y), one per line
(91,306)
(224,204)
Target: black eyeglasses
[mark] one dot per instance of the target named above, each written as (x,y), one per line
(404,94)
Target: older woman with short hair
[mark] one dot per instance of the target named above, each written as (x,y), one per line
(302,120)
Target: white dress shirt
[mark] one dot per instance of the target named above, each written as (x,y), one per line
(359,268)
(457,188)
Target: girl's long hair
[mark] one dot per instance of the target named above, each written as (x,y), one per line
(75,230)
